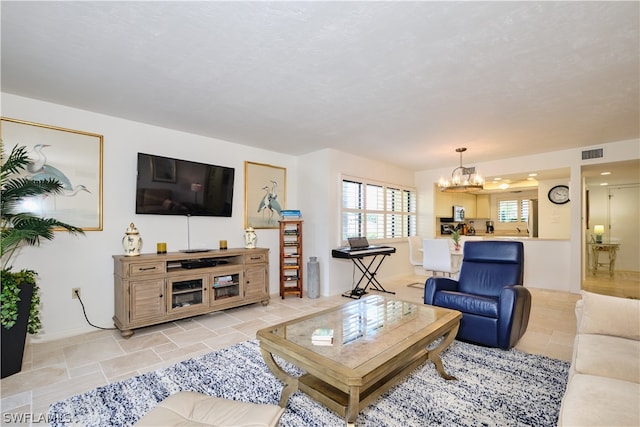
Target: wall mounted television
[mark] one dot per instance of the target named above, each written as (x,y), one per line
(168,186)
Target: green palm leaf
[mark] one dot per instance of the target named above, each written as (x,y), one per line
(18,229)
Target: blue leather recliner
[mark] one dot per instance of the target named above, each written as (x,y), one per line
(489,292)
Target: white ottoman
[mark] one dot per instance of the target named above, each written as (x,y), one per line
(187,408)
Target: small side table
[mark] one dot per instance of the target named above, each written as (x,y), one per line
(610,248)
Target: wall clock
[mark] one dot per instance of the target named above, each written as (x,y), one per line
(559,194)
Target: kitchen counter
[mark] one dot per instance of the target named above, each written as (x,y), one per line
(545,264)
(502,237)
(508,237)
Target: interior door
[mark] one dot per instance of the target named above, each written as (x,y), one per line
(624,223)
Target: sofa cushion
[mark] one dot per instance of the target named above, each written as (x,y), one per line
(599,401)
(606,315)
(187,408)
(607,356)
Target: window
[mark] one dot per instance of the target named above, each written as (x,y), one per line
(377,210)
(514,210)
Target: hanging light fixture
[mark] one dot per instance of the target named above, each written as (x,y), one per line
(462,179)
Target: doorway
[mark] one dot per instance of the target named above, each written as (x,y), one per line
(613,202)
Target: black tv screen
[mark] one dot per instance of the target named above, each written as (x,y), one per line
(168,186)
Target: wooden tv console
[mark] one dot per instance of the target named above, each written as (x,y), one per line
(152,289)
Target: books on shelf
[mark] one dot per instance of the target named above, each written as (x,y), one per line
(290,214)
(322,336)
(223,280)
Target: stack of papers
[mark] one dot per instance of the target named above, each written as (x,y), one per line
(322,336)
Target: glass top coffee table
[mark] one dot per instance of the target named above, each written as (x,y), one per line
(363,348)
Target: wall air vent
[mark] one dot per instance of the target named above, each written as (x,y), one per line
(593,154)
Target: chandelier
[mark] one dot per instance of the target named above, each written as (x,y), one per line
(462,179)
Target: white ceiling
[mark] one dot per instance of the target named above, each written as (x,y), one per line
(406,81)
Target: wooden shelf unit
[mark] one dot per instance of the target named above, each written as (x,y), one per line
(291,260)
(152,289)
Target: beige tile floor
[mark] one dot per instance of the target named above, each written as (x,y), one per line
(59,369)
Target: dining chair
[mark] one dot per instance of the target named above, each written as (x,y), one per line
(415,258)
(436,257)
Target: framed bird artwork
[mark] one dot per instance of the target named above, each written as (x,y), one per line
(73,158)
(265,194)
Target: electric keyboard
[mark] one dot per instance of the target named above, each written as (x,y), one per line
(368,260)
(371,250)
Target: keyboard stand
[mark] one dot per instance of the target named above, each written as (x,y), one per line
(369,274)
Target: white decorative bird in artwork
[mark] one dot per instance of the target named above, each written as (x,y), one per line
(74,191)
(36,165)
(41,171)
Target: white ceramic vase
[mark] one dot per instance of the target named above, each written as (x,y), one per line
(250,238)
(132,242)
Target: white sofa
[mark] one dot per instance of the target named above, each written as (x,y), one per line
(604,378)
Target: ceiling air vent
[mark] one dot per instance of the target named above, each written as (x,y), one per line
(593,154)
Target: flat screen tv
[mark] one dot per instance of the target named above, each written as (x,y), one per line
(167,186)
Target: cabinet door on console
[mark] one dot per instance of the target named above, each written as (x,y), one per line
(188,293)
(147,299)
(256,282)
(226,286)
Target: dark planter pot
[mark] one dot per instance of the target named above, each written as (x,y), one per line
(13,339)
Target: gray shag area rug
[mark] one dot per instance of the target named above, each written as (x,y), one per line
(494,388)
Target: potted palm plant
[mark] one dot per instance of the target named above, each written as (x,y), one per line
(455,236)
(19,298)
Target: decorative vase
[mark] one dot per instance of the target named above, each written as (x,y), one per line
(313,277)
(250,238)
(132,242)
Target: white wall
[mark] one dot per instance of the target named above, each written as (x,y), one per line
(313,185)
(320,174)
(572,159)
(86,261)
(316,197)
(554,221)
(545,264)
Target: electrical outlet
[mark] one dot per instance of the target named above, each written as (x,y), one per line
(75,295)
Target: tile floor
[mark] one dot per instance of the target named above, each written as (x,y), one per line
(59,369)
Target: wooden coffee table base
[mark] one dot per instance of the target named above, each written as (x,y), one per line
(361,395)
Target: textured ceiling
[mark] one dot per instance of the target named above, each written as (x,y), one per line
(406,81)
